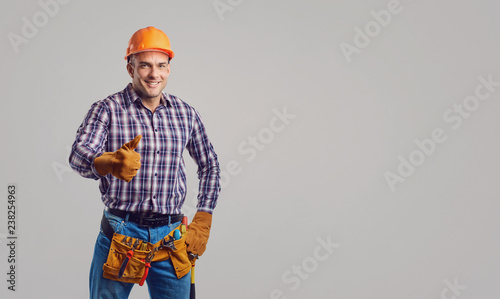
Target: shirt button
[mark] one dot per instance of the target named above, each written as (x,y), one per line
(154,196)
(158,152)
(156,130)
(156,174)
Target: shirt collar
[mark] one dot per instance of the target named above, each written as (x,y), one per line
(133,96)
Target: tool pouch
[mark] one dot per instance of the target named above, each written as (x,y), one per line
(133,269)
(117,256)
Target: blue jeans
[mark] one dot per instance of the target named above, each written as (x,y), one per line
(162,281)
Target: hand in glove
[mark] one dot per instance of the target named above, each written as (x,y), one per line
(198,232)
(123,164)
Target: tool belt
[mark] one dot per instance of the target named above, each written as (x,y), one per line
(129,259)
(149,220)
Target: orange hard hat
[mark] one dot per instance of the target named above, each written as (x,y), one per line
(149,39)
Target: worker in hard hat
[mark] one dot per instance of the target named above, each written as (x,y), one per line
(133,142)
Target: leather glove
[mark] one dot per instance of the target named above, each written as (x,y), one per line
(198,232)
(123,164)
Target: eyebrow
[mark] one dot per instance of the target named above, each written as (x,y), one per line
(148,63)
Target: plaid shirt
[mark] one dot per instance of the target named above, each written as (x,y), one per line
(160,183)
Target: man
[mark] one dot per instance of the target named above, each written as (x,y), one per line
(132,142)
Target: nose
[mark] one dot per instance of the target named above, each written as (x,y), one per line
(154,73)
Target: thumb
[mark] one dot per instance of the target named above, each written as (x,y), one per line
(132,144)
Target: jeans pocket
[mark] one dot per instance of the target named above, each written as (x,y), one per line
(115,222)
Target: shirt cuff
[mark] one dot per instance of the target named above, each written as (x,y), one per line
(97,175)
(206,209)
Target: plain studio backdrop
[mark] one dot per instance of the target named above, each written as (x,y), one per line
(358,142)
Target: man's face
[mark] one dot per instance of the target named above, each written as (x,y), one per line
(149,72)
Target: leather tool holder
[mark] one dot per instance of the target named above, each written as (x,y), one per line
(135,265)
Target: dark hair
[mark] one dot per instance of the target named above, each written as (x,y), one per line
(132,57)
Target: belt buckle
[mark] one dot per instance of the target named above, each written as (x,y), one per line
(144,217)
(151,221)
(142,220)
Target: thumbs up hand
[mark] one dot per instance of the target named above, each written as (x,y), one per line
(123,164)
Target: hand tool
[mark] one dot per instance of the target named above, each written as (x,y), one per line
(192,257)
(192,292)
(184,225)
(147,265)
(144,245)
(168,243)
(130,254)
(177,234)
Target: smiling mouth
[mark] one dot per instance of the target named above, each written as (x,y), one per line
(152,83)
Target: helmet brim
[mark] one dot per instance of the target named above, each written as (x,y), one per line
(168,52)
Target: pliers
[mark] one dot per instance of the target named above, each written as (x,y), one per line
(147,264)
(130,254)
(147,261)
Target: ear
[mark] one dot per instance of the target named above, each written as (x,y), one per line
(130,70)
(168,69)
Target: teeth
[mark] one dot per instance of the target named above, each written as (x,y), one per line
(153,83)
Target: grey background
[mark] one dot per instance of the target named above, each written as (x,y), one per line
(322,176)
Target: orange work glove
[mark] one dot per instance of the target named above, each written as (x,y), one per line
(123,164)
(198,232)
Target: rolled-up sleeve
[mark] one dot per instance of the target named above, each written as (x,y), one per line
(90,140)
(201,150)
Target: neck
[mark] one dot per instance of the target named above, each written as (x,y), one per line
(151,103)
